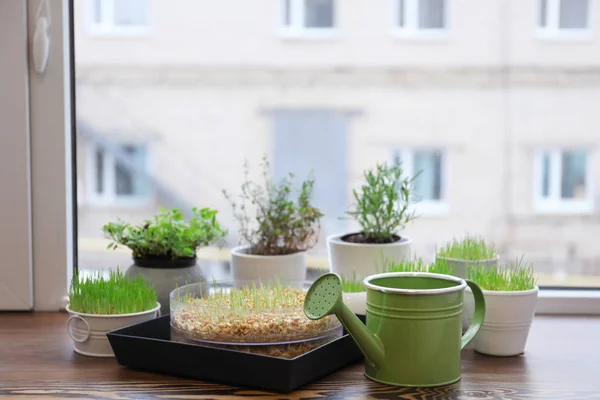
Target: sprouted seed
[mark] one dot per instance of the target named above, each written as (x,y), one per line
(514,277)
(468,248)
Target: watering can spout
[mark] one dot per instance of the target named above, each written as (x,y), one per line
(325,298)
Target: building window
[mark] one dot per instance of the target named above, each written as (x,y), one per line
(563,17)
(118,16)
(420,16)
(430,185)
(564,181)
(308,16)
(117,179)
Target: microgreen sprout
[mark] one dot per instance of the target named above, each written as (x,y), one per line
(514,277)
(468,248)
(352,284)
(116,294)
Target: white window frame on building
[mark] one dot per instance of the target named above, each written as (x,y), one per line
(108,195)
(427,207)
(292,20)
(108,24)
(554,203)
(409,9)
(548,21)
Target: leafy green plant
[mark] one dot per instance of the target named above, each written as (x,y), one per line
(469,248)
(116,294)
(516,276)
(352,284)
(270,220)
(168,235)
(382,204)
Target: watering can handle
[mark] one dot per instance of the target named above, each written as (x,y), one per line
(478,315)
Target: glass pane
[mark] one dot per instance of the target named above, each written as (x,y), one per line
(431,14)
(287,12)
(546,175)
(543,12)
(97,11)
(130,12)
(572,184)
(573,14)
(318,13)
(428,186)
(128,180)
(401,12)
(99,169)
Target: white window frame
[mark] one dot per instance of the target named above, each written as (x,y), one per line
(426,207)
(410,28)
(297,29)
(552,31)
(52,209)
(110,198)
(109,28)
(555,204)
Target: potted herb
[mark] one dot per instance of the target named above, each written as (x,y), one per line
(164,249)
(471,250)
(381,210)
(510,297)
(98,305)
(277,225)
(354,295)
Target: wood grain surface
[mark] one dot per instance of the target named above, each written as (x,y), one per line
(562,361)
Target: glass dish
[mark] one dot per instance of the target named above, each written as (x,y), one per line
(265,319)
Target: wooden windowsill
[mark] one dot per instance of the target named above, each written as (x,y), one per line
(561,362)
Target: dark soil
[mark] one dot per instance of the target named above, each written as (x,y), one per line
(362,238)
(165,262)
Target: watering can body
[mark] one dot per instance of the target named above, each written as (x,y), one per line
(413,334)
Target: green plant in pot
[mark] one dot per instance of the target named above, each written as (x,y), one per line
(511,294)
(382,210)
(164,248)
(278,224)
(99,304)
(471,250)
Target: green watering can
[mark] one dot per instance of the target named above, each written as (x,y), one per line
(414,324)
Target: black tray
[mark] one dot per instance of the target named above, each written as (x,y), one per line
(148,346)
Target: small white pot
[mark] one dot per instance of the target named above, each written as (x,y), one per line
(508,317)
(356,302)
(247,268)
(460,266)
(346,258)
(88,331)
(460,271)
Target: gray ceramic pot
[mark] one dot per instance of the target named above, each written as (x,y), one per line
(167,275)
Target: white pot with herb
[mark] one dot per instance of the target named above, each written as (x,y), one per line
(381,211)
(164,249)
(278,225)
(98,305)
(354,295)
(510,298)
(469,251)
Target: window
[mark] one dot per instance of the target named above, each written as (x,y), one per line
(563,17)
(429,186)
(118,16)
(563,182)
(308,16)
(415,17)
(117,179)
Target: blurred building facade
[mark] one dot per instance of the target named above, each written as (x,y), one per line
(495,101)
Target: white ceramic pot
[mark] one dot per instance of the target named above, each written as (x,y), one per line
(346,258)
(88,331)
(246,268)
(508,317)
(356,302)
(460,271)
(460,266)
